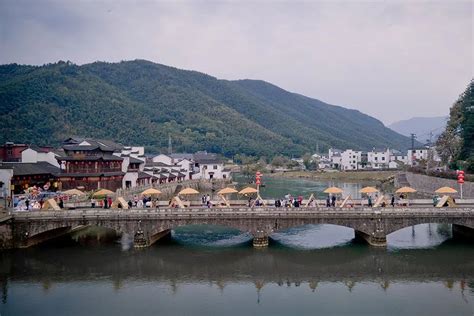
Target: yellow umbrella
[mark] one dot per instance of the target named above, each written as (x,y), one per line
(188,191)
(103,192)
(333,190)
(405,190)
(446,190)
(227,191)
(151,191)
(368,190)
(73,192)
(248,190)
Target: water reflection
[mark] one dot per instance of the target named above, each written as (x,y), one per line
(175,279)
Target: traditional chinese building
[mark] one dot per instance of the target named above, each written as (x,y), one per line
(26,175)
(90,165)
(11,152)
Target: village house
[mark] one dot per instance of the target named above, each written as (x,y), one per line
(34,154)
(90,165)
(11,152)
(353,160)
(334,156)
(378,158)
(25,175)
(422,154)
(210,166)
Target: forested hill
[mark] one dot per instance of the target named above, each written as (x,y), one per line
(142,103)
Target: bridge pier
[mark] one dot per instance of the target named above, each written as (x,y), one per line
(260,242)
(376,239)
(143,239)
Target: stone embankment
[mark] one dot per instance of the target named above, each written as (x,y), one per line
(426,184)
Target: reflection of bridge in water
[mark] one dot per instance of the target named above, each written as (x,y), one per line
(179,265)
(148,226)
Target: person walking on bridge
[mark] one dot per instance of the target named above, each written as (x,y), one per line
(333,201)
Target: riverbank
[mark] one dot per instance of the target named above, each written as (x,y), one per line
(381,176)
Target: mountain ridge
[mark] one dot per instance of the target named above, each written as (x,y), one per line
(141,102)
(420,125)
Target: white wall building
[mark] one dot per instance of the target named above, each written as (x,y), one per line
(378,159)
(422,153)
(165,159)
(210,166)
(34,154)
(6,175)
(351,160)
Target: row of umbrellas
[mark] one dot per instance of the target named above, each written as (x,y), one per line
(368,190)
(152,191)
(250,190)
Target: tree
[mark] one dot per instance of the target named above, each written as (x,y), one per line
(279,161)
(455,145)
(310,162)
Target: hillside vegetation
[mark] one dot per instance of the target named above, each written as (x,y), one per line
(142,103)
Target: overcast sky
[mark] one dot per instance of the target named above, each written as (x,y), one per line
(393,60)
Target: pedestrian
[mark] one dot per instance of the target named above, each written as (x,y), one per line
(93,203)
(27,203)
(370,201)
(435,200)
(61,203)
(208,200)
(106,202)
(130,203)
(328,202)
(110,201)
(392,201)
(41,202)
(135,200)
(333,199)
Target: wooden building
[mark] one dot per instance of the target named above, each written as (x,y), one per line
(91,165)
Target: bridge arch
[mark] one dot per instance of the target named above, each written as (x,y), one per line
(395,226)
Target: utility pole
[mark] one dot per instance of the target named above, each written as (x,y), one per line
(430,152)
(413,136)
(170,148)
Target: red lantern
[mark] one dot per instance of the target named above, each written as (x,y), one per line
(460,176)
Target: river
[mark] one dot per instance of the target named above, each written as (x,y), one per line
(205,270)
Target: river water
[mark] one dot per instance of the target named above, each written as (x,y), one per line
(206,270)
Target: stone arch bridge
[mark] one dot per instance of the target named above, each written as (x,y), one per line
(24,229)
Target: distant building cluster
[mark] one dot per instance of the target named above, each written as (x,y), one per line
(376,159)
(90,164)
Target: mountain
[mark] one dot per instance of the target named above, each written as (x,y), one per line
(142,103)
(421,126)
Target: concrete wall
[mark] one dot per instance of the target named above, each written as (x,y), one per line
(427,184)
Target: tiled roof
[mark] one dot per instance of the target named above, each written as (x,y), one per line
(24,169)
